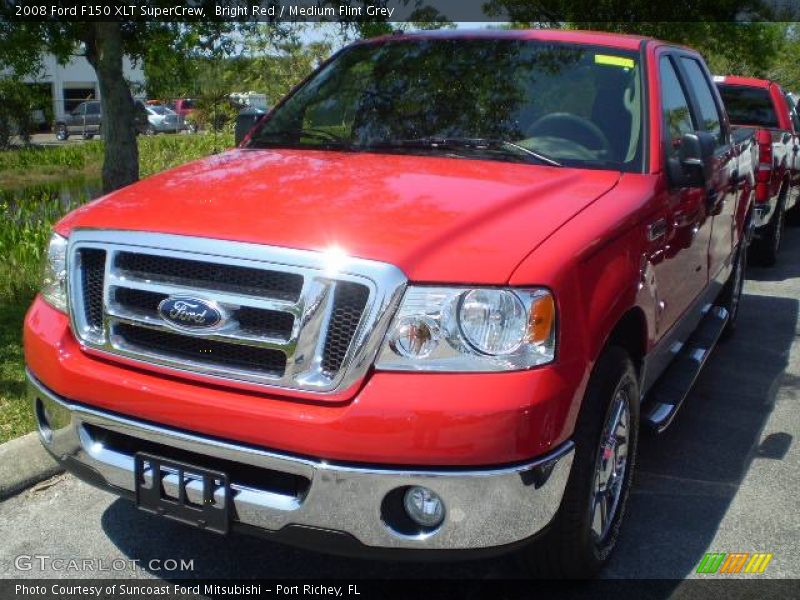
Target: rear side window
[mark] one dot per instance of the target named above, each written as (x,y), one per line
(93,109)
(793,113)
(748,106)
(675,108)
(709,113)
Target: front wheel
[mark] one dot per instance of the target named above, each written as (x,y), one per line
(62,134)
(582,536)
(732,292)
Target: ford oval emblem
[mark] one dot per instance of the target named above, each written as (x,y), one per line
(192,314)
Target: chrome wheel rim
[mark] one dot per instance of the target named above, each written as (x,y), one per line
(611,466)
(779,229)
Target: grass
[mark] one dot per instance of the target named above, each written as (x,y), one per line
(16,416)
(28,214)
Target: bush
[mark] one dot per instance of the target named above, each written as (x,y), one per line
(18,100)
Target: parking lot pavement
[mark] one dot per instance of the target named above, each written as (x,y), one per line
(723,478)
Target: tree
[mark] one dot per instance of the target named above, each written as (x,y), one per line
(23,44)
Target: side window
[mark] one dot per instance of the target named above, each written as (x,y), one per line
(80,109)
(93,109)
(709,112)
(676,114)
(793,113)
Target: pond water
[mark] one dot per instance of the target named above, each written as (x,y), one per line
(47,202)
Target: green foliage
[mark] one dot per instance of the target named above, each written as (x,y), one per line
(16,416)
(17,102)
(28,217)
(28,214)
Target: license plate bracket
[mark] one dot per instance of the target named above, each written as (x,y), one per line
(183,492)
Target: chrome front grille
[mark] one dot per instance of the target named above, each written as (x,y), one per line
(296,319)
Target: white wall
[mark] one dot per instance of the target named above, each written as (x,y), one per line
(78,73)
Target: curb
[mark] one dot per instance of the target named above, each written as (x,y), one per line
(23,463)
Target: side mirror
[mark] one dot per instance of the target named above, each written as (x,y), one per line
(693,166)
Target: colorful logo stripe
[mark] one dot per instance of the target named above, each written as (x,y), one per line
(734,562)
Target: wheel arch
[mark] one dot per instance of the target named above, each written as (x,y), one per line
(630,334)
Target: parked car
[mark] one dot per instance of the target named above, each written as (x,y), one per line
(184,108)
(763,106)
(86,120)
(161,119)
(423,310)
(83,120)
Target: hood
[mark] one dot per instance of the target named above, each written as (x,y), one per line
(439,219)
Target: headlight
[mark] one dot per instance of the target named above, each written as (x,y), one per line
(470,329)
(54,273)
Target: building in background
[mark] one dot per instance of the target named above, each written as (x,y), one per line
(74,82)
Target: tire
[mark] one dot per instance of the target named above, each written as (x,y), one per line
(793,215)
(88,136)
(730,297)
(577,544)
(768,246)
(62,134)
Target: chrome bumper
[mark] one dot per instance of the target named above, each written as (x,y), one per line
(484,508)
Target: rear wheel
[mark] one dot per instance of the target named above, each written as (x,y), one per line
(793,215)
(61,132)
(583,534)
(768,245)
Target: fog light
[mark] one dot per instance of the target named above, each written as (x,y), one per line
(424,506)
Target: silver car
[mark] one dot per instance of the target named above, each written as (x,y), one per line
(161,119)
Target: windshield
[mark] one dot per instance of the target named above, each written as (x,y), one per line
(158,109)
(470,98)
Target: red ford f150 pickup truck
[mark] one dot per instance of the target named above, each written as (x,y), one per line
(424,307)
(763,106)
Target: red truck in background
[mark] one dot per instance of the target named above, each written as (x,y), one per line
(763,106)
(184,108)
(423,308)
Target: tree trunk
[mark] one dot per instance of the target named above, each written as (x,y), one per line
(104,51)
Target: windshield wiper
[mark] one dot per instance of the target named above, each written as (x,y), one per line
(504,146)
(317,134)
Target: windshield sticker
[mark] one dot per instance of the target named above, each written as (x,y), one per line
(616,61)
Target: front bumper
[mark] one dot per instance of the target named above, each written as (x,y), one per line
(484,508)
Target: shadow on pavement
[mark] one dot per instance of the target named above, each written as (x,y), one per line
(687,477)
(788,266)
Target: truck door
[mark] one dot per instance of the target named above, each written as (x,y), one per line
(685,229)
(723,186)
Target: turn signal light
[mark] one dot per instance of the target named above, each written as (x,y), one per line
(542,319)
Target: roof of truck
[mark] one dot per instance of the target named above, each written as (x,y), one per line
(743,81)
(598,38)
